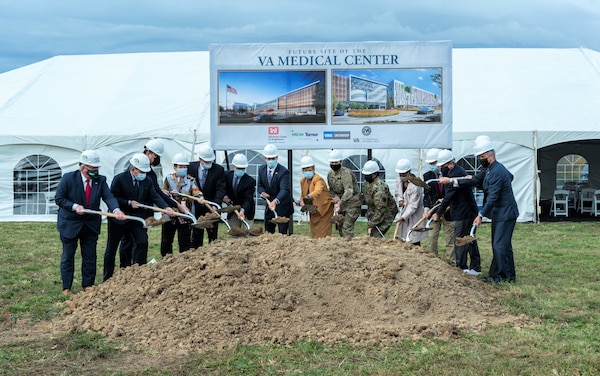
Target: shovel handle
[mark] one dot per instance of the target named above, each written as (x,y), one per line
(113,215)
(396,230)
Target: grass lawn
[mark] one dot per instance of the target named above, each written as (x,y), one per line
(558,285)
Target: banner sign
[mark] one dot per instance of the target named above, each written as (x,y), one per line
(375,95)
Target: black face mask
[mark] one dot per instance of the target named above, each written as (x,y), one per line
(484,163)
(156,160)
(93,174)
(335,167)
(445,171)
(369,178)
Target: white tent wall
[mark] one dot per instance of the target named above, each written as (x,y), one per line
(536,104)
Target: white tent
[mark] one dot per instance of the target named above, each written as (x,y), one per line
(537,105)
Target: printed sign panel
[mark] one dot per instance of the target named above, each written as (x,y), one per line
(374,95)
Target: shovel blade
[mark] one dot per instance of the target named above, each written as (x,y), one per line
(229,209)
(464,240)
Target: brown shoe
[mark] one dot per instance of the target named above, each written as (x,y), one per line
(67,292)
(87,289)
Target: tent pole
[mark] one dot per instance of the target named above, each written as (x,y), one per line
(193,146)
(536,178)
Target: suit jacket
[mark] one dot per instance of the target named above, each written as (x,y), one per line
(279,188)
(460,199)
(123,189)
(243,195)
(500,201)
(70,191)
(214,186)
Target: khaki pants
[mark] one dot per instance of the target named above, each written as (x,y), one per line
(434,234)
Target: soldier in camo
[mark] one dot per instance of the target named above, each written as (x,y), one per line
(382,207)
(344,192)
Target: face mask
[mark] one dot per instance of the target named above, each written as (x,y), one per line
(404,179)
(335,167)
(156,160)
(369,178)
(484,163)
(239,173)
(93,174)
(181,172)
(308,174)
(272,164)
(207,166)
(141,176)
(445,171)
(433,168)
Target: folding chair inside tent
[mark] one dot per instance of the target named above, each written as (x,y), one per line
(560,203)
(586,200)
(596,203)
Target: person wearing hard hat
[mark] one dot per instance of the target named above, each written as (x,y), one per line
(179,182)
(314,191)
(409,198)
(210,177)
(382,208)
(130,189)
(463,209)
(345,193)
(501,207)
(274,185)
(239,190)
(77,191)
(433,195)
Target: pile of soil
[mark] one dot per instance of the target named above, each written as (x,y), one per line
(282,289)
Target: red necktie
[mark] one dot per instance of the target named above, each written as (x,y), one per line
(88,193)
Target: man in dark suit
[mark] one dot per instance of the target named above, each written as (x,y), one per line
(130,188)
(79,190)
(274,185)
(433,195)
(239,190)
(210,177)
(501,207)
(463,210)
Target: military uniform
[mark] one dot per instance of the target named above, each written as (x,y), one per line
(382,207)
(342,184)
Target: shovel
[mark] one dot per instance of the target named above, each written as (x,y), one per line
(337,218)
(277,220)
(157,209)
(464,240)
(112,215)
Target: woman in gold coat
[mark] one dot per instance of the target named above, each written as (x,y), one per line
(316,199)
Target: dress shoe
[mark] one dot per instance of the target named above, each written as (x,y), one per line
(67,292)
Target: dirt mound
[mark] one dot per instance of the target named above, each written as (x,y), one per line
(282,289)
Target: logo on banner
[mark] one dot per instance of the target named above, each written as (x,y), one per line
(273,130)
(366,131)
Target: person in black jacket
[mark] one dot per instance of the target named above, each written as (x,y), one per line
(130,188)
(463,210)
(239,190)
(79,190)
(433,195)
(210,177)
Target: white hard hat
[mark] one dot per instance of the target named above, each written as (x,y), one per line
(444,156)
(180,159)
(240,161)
(370,167)
(432,155)
(335,156)
(156,146)
(307,161)
(140,161)
(482,145)
(403,165)
(482,137)
(270,151)
(90,158)
(206,153)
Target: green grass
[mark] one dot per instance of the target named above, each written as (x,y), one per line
(557,285)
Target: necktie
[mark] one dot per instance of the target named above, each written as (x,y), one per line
(440,186)
(269,175)
(236,180)
(203,180)
(88,193)
(136,187)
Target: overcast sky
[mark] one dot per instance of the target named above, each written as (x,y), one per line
(35,30)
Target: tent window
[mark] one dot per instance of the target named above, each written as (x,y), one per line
(35,179)
(355,163)
(571,169)
(471,164)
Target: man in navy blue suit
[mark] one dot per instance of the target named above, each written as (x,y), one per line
(239,189)
(79,190)
(501,207)
(131,188)
(274,185)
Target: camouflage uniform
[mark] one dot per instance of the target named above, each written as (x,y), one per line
(382,207)
(342,184)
